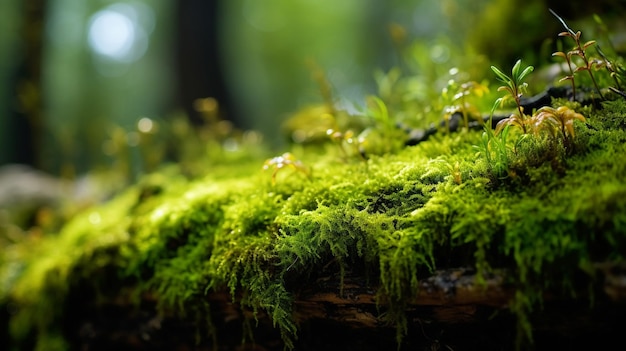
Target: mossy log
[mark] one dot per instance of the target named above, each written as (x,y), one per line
(451,295)
(426,248)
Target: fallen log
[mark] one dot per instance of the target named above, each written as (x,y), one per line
(453,310)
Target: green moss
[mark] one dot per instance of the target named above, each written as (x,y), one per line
(37,271)
(396,217)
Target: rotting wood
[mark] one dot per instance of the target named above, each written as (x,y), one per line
(449,296)
(452,307)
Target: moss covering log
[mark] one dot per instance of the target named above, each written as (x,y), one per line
(419,248)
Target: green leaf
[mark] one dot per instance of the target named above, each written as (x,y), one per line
(589,43)
(496,104)
(525,73)
(503,77)
(515,70)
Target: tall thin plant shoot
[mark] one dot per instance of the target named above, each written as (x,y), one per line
(578,50)
(616,70)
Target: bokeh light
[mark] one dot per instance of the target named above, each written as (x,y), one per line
(120,32)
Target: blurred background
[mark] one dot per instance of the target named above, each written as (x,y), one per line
(83,81)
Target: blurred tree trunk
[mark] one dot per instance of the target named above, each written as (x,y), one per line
(26,117)
(199,67)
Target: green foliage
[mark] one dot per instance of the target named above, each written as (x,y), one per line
(557,121)
(384,136)
(616,70)
(397,215)
(613,116)
(402,216)
(456,98)
(495,149)
(579,50)
(515,87)
(506,157)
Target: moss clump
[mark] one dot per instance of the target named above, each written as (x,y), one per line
(395,217)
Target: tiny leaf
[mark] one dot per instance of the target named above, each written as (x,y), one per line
(589,43)
(526,72)
(515,70)
(503,77)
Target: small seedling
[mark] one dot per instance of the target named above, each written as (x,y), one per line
(286,160)
(383,136)
(578,50)
(377,109)
(616,71)
(495,150)
(457,97)
(345,138)
(454,169)
(555,120)
(494,144)
(515,87)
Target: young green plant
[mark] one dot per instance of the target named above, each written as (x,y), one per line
(515,87)
(286,160)
(616,71)
(578,50)
(494,143)
(456,97)
(382,136)
(557,121)
(495,150)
